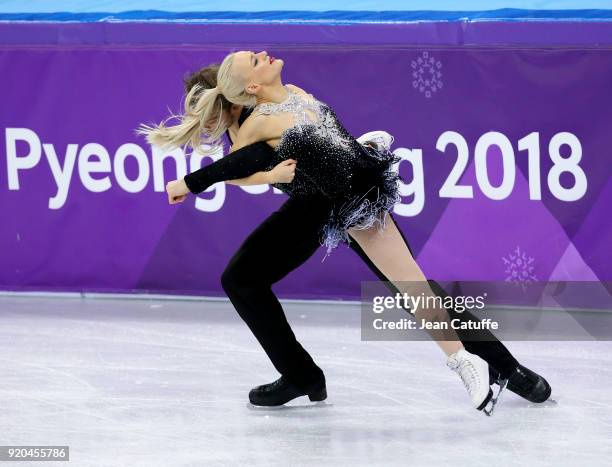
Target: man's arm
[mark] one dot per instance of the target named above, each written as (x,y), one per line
(244,163)
(255,129)
(247,161)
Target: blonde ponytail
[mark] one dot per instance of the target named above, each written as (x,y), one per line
(201,105)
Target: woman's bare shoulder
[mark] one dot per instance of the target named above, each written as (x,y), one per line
(257,127)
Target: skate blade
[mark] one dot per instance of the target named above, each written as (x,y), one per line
(289,406)
(490,405)
(549,403)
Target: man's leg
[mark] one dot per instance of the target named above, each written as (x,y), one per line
(283,242)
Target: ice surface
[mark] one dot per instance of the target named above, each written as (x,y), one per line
(152,382)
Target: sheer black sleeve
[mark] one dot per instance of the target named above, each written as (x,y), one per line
(246,161)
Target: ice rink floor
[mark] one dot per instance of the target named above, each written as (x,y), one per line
(148,382)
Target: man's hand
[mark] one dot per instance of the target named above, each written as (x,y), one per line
(283,172)
(177,191)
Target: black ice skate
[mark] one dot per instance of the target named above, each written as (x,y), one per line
(282,391)
(526,383)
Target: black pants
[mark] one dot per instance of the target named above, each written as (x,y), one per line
(283,242)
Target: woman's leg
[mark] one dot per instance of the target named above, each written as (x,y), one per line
(502,364)
(389,253)
(482,342)
(387,250)
(284,241)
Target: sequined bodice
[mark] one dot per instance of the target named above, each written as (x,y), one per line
(325,152)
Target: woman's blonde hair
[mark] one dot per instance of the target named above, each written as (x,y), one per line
(201,105)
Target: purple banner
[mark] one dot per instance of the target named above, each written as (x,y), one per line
(505,150)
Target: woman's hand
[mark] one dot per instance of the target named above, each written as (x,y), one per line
(283,172)
(177,191)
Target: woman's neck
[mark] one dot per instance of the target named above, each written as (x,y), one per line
(276,93)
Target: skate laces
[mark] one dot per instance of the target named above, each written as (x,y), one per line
(381,143)
(273,385)
(466,371)
(377,140)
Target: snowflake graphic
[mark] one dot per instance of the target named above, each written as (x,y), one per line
(519,268)
(426,74)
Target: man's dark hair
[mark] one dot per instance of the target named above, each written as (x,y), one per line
(207,78)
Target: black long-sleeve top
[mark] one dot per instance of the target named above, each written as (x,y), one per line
(246,161)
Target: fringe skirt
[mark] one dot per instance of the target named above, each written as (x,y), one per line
(374,192)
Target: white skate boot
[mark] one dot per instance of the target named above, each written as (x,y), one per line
(379,140)
(474,373)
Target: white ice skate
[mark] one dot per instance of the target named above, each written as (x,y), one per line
(380,140)
(474,373)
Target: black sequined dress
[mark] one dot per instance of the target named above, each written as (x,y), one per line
(361,182)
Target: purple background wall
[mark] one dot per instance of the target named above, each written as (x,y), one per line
(74,84)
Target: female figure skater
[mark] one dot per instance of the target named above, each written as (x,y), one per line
(347,189)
